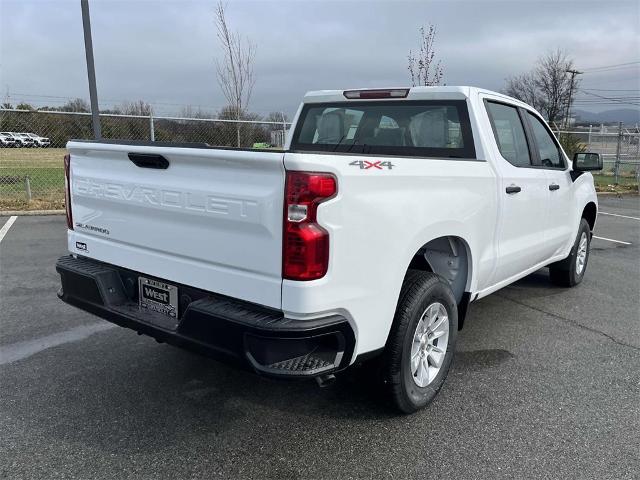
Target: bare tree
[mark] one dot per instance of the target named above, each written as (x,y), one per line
(192,112)
(547,87)
(235,69)
(279,120)
(423,68)
(76,105)
(231,113)
(280,117)
(524,87)
(137,107)
(554,83)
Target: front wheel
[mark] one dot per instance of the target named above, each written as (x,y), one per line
(570,271)
(422,340)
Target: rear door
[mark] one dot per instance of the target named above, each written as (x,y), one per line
(208,218)
(524,192)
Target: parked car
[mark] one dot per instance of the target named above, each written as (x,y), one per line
(23,140)
(38,140)
(7,140)
(386,215)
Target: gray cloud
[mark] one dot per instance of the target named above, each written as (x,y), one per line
(163,51)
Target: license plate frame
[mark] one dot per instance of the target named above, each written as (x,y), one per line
(158,296)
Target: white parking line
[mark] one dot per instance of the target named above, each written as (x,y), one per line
(616,215)
(612,240)
(18,351)
(5,228)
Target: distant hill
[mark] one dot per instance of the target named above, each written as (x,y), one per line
(628,116)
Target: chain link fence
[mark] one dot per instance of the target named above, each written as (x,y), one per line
(31,170)
(32,177)
(618,146)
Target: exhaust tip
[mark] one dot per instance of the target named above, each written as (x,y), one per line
(325,380)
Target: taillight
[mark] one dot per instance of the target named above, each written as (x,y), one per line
(305,244)
(67,190)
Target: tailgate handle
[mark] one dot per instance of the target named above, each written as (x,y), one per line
(149,160)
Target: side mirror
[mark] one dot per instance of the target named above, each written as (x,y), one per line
(585,162)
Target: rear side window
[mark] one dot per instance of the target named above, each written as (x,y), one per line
(509,133)
(406,128)
(547,148)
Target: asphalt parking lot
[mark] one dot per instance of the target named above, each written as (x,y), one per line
(545,384)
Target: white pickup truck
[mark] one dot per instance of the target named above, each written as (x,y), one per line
(386,214)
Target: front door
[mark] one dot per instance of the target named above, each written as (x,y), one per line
(560,207)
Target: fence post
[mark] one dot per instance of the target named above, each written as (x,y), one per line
(27,188)
(637,162)
(616,168)
(152,131)
(589,140)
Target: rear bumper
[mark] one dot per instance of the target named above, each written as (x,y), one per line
(228,329)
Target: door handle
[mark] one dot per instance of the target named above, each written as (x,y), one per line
(554,186)
(513,189)
(149,160)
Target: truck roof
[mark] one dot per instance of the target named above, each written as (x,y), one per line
(415,93)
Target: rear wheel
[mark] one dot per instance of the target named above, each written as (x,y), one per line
(421,344)
(570,271)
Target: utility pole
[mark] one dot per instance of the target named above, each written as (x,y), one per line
(573,74)
(91,71)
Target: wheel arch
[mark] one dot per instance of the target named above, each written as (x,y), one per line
(589,213)
(450,257)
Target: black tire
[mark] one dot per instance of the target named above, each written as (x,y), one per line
(564,273)
(419,290)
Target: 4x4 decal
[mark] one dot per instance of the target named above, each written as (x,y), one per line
(366,165)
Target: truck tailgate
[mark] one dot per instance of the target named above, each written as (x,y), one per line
(211,219)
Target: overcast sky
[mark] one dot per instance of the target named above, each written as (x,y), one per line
(163,51)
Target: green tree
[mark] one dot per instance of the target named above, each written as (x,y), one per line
(571,144)
(24,106)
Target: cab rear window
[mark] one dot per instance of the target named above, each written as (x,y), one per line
(405,128)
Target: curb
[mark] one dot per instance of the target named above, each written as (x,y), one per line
(620,194)
(22,213)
